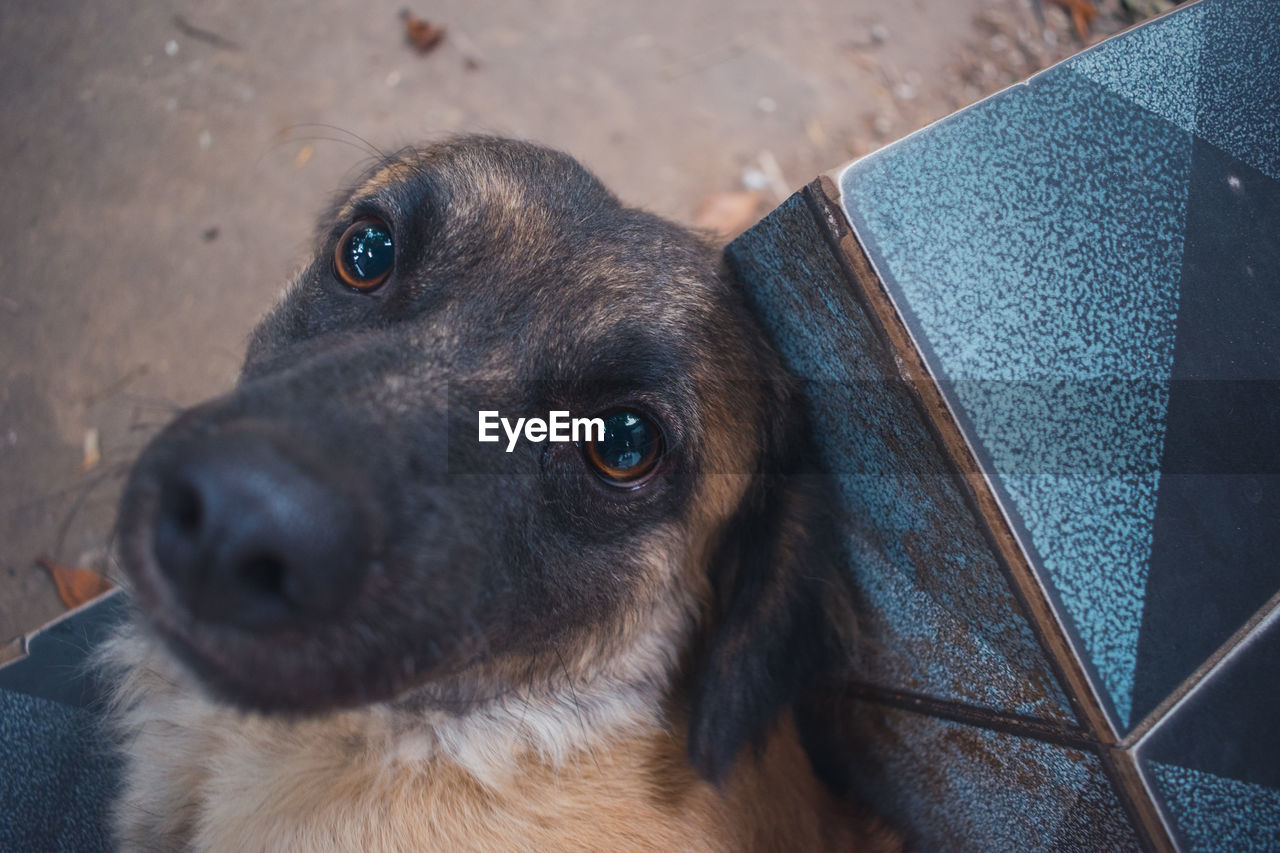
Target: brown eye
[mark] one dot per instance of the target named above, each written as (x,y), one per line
(629,450)
(365,254)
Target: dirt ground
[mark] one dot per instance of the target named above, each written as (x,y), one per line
(162,162)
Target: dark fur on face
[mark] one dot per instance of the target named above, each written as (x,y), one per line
(420,567)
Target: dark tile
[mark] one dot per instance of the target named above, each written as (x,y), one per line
(1228,304)
(1228,726)
(936,612)
(56,667)
(1075,260)
(1211,69)
(58,777)
(1088,266)
(955,787)
(1217,524)
(1238,96)
(1215,761)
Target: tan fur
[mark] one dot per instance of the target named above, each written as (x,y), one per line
(207,778)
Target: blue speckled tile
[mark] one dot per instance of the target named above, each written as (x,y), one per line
(936,613)
(57,780)
(1037,247)
(1207,810)
(1211,70)
(956,787)
(1014,311)
(58,765)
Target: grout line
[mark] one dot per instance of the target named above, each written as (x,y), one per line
(1034,728)
(1035,602)
(1157,802)
(1136,798)
(1263,618)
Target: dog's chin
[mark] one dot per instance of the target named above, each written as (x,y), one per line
(251,675)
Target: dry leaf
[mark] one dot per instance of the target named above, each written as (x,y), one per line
(75,585)
(421,34)
(728,214)
(1142,9)
(1082,14)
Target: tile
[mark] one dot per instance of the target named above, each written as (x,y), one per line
(1214,760)
(1002,241)
(955,787)
(57,778)
(936,612)
(1156,66)
(1212,69)
(1227,726)
(1218,815)
(1087,266)
(55,666)
(1217,521)
(59,769)
(1074,257)
(1238,96)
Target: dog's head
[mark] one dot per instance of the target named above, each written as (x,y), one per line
(333,532)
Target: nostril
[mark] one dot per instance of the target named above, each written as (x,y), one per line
(265,574)
(185,508)
(246,535)
(181,538)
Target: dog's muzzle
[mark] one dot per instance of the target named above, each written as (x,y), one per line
(247,536)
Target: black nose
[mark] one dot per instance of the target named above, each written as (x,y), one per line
(249,537)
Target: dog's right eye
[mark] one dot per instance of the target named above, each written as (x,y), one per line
(365,254)
(630,449)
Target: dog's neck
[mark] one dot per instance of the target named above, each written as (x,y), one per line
(600,766)
(575,708)
(580,707)
(490,739)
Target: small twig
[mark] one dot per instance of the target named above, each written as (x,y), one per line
(191,31)
(129,376)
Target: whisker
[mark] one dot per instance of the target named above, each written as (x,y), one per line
(368,146)
(577,709)
(370,157)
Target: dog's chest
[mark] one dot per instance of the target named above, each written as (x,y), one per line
(249,785)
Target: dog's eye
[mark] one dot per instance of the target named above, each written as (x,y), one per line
(629,450)
(365,254)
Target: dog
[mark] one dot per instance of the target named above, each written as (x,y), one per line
(358,627)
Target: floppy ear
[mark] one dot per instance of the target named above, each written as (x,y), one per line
(782,613)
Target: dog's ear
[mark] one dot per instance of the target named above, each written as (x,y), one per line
(782,615)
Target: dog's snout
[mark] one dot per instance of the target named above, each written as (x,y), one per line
(250,538)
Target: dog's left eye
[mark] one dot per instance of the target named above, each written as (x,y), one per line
(630,449)
(365,254)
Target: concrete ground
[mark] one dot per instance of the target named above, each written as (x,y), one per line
(161,162)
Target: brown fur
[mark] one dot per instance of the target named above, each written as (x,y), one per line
(208,777)
(616,676)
